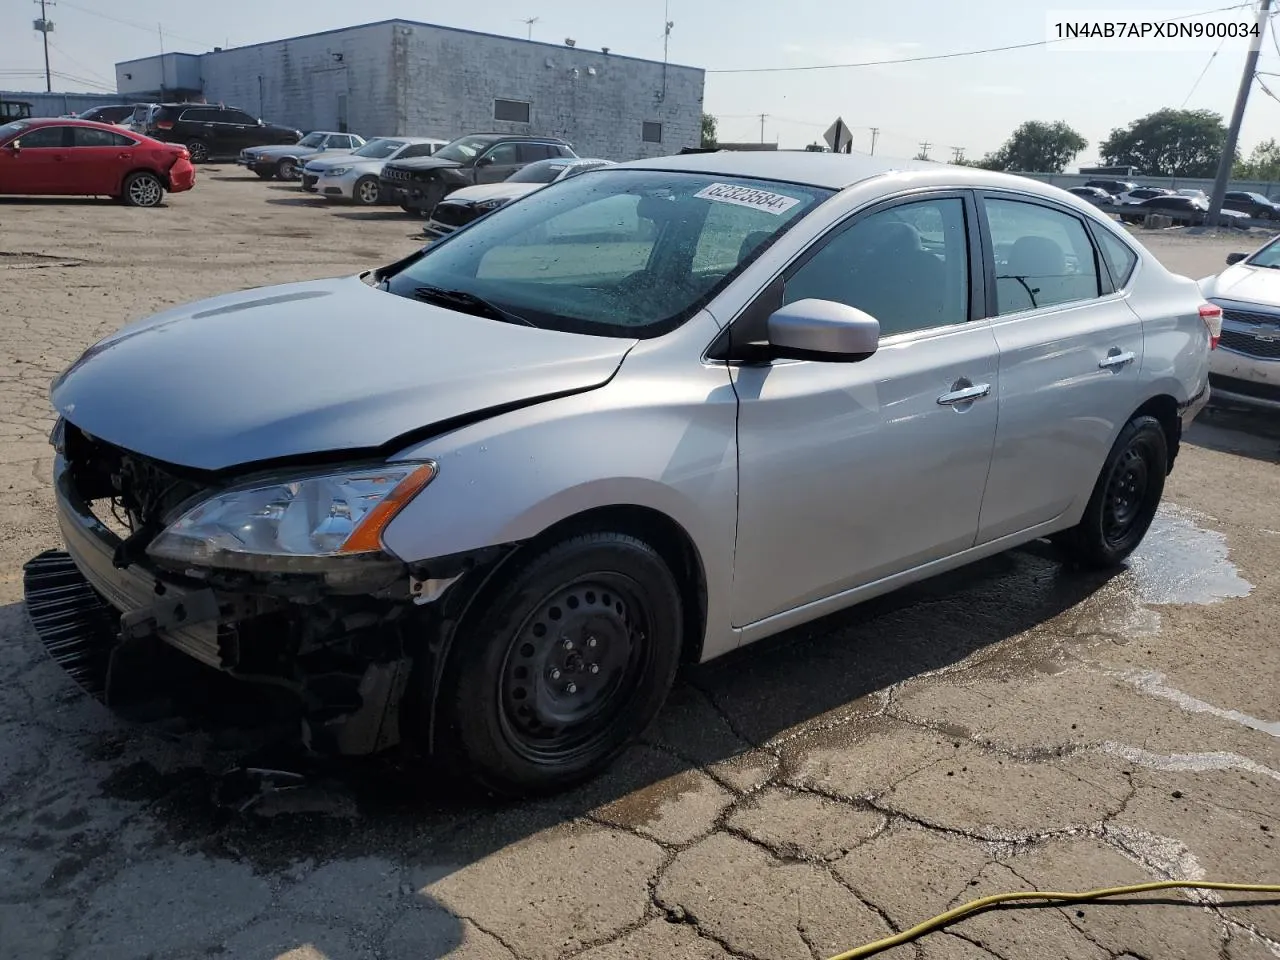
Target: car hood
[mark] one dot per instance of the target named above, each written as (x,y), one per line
(310,368)
(1246,284)
(276,151)
(492,191)
(425,163)
(323,161)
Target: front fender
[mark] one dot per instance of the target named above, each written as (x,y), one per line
(666,442)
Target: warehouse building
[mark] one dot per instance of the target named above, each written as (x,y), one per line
(417,79)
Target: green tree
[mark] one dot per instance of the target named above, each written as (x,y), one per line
(1169,143)
(709,131)
(1036,147)
(1263,163)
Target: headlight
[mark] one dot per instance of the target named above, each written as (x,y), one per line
(338,171)
(293,525)
(489,204)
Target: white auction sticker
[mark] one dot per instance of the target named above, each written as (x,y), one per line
(774,203)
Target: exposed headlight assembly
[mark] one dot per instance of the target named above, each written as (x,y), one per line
(487,205)
(303,524)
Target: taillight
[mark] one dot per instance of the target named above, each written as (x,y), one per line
(164,124)
(184,154)
(1211,314)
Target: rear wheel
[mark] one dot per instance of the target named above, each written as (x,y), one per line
(199,151)
(565,665)
(1125,497)
(265,174)
(287,169)
(142,189)
(366,191)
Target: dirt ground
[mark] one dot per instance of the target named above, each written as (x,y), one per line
(1013,725)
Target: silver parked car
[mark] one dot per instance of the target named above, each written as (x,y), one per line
(1246,370)
(284,160)
(355,177)
(489,497)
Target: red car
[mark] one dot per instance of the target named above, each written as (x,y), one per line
(84,158)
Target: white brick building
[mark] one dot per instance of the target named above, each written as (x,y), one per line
(407,78)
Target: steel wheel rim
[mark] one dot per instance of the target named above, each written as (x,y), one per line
(368,192)
(573,667)
(1126,495)
(288,170)
(145,191)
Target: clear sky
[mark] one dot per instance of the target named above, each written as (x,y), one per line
(969,102)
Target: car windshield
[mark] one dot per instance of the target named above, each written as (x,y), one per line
(311,140)
(379,148)
(544,171)
(621,253)
(1268,256)
(9,129)
(463,149)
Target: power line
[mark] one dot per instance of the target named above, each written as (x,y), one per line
(945,56)
(131,23)
(1207,65)
(83,67)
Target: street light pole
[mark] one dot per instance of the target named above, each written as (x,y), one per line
(1228,157)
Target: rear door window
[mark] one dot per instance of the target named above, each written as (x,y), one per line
(1043,256)
(89,137)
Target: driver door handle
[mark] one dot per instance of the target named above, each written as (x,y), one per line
(965,394)
(1116,360)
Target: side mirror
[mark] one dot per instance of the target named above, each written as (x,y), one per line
(823,330)
(485,161)
(1233,258)
(14,147)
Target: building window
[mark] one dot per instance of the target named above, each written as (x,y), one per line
(652,132)
(512,111)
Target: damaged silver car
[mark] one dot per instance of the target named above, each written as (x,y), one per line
(485,500)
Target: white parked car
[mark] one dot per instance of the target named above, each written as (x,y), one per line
(1246,368)
(354,177)
(471,203)
(1142,193)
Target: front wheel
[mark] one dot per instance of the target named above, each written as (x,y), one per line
(287,169)
(366,191)
(265,174)
(142,189)
(1125,497)
(199,151)
(564,666)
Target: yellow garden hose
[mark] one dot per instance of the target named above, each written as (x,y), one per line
(985,903)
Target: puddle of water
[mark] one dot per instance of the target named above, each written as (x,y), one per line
(1180,562)
(1189,762)
(1153,683)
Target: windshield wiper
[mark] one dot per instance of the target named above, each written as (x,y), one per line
(465,302)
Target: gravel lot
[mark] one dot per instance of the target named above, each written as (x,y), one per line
(1013,725)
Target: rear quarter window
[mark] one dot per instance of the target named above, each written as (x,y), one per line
(1119,257)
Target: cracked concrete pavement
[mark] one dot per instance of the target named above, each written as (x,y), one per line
(1011,725)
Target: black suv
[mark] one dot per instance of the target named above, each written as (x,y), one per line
(419,184)
(210,130)
(1253,204)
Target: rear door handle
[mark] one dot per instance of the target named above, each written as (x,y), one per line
(1116,360)
(965,394)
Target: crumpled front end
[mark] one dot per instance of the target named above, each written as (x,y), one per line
(330,658)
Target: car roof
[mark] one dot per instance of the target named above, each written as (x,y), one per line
(412,139)
(835,171)
(69,122)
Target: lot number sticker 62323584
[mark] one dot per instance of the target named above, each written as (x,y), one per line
(774,203)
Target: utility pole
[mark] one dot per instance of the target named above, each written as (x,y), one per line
(957,154)
(529,22)
(875,135)
(762,117)
(1228,157)
(924,151)
(45,25)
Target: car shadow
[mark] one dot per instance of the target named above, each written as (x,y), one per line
(1244,431)
(377,215)
(304,201)
(394,815)
(58,201)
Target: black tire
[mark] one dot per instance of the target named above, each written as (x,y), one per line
(265,174)
(1125,498)
(199,151)
(287,169)
(142,189)
(367,191)
(586,633)
(408,209)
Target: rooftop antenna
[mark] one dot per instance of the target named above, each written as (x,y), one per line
(529,22)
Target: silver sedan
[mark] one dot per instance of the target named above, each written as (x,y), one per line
(488,498)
